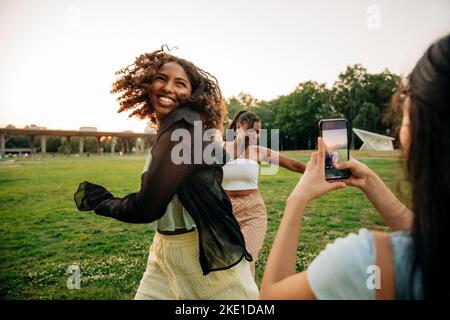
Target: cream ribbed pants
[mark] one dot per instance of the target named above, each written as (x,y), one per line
(174,272)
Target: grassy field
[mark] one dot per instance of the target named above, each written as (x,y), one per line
(42,233)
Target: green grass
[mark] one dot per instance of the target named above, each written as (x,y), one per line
(42,233)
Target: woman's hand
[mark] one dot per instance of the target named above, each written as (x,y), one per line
(313,184)
(360,174)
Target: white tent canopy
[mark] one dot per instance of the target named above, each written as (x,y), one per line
(374,141)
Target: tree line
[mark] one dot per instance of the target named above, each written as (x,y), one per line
(363,98)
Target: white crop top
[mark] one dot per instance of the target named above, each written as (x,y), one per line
(240,174)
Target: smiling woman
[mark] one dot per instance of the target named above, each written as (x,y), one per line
(160,82)
(196,230)
(170,89)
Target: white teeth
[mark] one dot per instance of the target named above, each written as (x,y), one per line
(165,100)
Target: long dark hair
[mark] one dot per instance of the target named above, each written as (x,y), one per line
(244,116)
(134,82)
(428,165)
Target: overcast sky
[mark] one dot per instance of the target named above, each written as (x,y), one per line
(58,58)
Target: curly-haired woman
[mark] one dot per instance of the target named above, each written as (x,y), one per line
(198,251)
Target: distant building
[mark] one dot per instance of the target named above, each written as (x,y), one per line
(90,129)
(33,126)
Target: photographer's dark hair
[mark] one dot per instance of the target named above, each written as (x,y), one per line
(134,81)
(244,116)
(428,165)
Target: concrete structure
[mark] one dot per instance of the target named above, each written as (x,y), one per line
(88,129)
(374,141)
(32,133)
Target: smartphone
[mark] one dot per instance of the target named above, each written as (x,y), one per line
(334,133)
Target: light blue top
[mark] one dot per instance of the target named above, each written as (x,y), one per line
(344,269)
(176,216)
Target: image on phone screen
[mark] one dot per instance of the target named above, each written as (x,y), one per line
(335,136)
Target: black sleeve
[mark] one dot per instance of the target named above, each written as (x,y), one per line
(158,186)
(214,153)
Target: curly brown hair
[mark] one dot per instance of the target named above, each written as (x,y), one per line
(134,82)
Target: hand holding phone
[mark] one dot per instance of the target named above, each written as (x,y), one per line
(334,133)
(312,183)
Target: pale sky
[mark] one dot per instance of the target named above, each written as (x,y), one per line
(335,137)
(58,58)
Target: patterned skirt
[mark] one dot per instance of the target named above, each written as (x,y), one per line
(250,212)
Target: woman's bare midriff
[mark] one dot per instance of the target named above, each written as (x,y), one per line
(240,193)
(175,232)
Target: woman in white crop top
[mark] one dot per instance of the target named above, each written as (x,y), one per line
(240,181)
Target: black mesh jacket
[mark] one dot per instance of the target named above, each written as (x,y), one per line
(197,184)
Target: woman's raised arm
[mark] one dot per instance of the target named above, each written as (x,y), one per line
(158,186)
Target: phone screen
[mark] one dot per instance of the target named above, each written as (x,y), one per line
(335,135)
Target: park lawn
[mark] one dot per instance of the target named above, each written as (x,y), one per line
(42,233)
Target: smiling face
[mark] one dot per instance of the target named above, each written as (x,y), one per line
(169,89)
(252,132)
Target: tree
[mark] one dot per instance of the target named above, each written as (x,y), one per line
(233,107)
(244,101)
(298,113)
(53,143)
(362,98)
(266,112)
(17,142)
